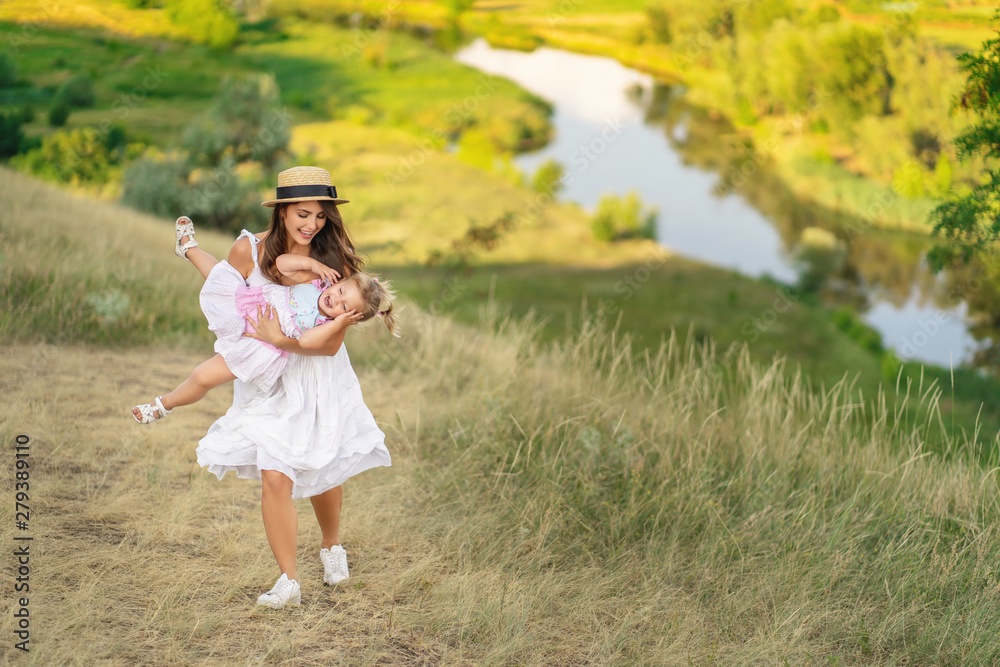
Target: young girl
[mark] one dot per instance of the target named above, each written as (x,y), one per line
(312,312)
(311,431)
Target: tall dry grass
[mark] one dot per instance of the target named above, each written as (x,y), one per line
(75,269)
(559,505)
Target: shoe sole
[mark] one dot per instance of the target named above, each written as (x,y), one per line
(275,605)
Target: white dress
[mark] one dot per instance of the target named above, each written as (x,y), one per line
(312,425)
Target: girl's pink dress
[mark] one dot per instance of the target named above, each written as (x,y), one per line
(303,416)
(226,300)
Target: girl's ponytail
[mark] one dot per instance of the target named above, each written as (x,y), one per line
(390,320)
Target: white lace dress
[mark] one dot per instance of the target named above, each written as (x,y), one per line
(312,425)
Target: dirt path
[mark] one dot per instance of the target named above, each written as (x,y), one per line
(141,557)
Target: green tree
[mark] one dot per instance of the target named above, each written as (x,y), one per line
(77,92)
(659,21)
(851,69)
(76,156)
(206,21)
(971,223)
(548,177)
(246,122)
(8,70)
(11,135)
(215,174)
(157,184)
(59,114)
(622,218)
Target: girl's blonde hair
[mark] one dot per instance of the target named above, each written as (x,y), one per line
(378,297)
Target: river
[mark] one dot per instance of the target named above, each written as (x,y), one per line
(618,130)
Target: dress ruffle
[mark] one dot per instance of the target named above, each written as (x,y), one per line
(313,426)
(226,300)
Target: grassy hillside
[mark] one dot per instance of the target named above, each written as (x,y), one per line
(102,291)
(156,87)
(562,503)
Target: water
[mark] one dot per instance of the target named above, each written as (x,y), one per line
(612,135)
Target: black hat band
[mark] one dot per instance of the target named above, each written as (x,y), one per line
(296,191)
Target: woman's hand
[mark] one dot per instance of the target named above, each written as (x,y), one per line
(325,272)
(345,320)
(266,327)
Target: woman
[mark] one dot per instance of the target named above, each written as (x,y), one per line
(312,430)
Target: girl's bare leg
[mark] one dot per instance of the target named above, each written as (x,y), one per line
(208,375)
(281,523)
(201,259)
(327,508)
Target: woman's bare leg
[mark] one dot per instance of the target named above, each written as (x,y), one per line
(327,508)
(281,523)
(208,375)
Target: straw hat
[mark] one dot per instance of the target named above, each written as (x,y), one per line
(304,184)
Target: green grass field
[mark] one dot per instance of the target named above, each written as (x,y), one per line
(156,87)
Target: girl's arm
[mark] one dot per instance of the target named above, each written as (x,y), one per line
(289,265)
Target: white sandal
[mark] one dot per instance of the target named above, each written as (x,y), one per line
(150,412)
(184,227)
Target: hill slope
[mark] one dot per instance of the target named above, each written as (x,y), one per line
(557,504)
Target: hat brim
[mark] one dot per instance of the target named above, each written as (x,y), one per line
(275,202)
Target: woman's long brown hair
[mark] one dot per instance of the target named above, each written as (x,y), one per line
(332,245)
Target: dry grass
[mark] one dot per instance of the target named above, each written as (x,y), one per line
(567,505)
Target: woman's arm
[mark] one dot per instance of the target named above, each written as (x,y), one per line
(326,343)
(329,334)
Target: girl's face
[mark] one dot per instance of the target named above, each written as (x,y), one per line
(341,297)
(302,221)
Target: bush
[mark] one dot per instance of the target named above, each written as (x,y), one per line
(59,114)
(843,318)
(206,22)
(8,70)
(851,68)
(548,177)
(11,136)
(77,92)
(77,156)
(827,14)
(115,139)
(623,217)
(156,184)
(659,21)
(223,156)
(220,197)
(166,185)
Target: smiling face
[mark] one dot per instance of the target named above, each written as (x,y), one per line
(341,297)
(302,221)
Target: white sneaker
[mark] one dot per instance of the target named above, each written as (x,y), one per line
(285,591)
(334,564)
